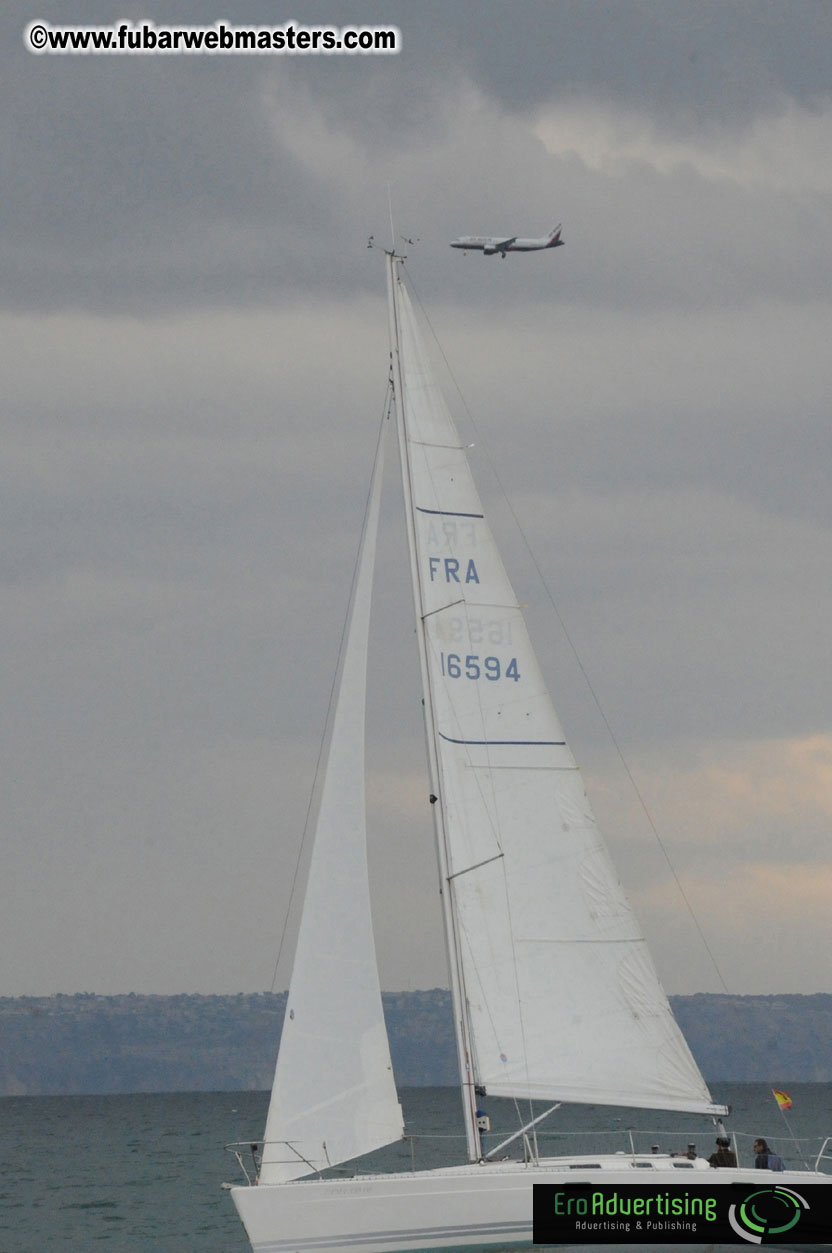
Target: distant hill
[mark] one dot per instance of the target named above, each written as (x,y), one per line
(131,1043)
(759,1038)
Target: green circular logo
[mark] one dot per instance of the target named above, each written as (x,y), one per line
(769,1212)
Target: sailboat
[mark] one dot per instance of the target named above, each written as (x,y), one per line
(555,995)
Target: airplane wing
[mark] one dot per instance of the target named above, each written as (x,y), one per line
(498,245)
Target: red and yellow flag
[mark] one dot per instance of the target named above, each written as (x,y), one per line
(782,1098)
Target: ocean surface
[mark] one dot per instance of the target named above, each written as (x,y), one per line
(145,1172)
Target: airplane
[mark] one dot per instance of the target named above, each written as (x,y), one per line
(489,245)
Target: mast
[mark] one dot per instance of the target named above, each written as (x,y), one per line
(462,1027)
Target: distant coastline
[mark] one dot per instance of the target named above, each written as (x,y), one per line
(62,1045)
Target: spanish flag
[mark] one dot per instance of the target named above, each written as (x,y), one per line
(782,1098)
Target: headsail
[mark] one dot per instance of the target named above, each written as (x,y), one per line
(562,998)
(334,1097)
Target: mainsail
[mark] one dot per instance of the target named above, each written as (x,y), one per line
(334,1097)
(560,993)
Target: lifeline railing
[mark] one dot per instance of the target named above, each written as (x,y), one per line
(256,1147)
(823,1156)
(632,1143)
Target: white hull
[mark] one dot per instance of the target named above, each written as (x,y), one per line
(485,1207)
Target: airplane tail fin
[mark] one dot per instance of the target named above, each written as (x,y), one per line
(554,236)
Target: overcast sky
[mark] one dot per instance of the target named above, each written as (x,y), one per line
(194,347)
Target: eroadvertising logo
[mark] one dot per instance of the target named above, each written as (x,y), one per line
(584,1213)
(767,1212)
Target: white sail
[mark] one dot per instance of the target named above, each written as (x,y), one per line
(562,998)
(334,1097)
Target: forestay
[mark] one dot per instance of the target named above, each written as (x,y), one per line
(562,996)
(334,1097)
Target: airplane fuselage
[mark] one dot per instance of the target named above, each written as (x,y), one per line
(491,245)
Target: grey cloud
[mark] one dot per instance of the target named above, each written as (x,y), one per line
(153,182)
(190,413)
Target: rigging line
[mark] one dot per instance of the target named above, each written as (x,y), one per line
(386,409)
(584,673)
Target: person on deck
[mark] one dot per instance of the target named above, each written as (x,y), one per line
(724,1155)
(766,1158)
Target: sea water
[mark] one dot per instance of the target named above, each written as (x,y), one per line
(145,1173)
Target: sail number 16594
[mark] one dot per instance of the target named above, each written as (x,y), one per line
(472,666)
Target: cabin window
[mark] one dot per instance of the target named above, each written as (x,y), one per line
(683,1165)
(643,1165)
(584,1165)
